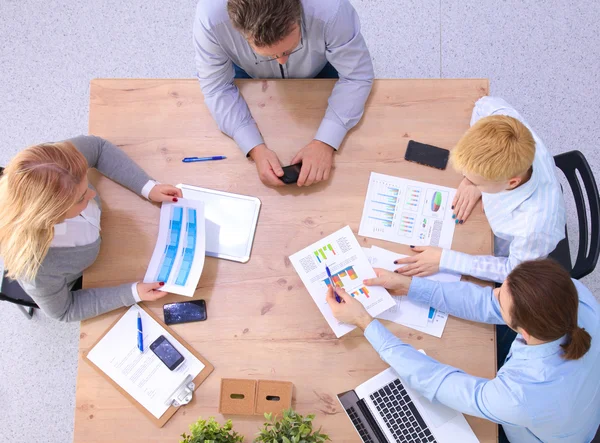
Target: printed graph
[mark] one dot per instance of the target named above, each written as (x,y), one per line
(345,276)
(170,253)
(383,205)
(436,203)
(406,225)
(412,199)
(322,253)
(361,291)
(189,249)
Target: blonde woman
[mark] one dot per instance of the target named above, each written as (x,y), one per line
(50,224)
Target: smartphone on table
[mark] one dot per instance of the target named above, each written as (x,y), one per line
(427,155)
(184,312)
(167,353)
(291,174)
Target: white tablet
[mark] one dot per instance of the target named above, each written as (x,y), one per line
(230,222)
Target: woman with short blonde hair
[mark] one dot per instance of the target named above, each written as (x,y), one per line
(50,224)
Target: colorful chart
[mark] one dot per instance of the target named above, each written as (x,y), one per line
(436,201)
(321,253)
(413,195)
(346,273)
(406,225)
(189,249)
(362,291)
(170,253)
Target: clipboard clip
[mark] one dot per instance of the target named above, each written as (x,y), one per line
(183,394)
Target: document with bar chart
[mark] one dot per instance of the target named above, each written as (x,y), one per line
(178,256)
(349,266)
(408,212)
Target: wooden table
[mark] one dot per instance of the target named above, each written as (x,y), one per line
(261,321)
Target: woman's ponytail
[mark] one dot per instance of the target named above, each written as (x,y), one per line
(578,343)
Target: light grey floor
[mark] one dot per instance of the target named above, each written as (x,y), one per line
(541,56)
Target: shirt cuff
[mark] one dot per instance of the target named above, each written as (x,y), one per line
(148,187)
(248,137)
(421,290)
(457,262)
(331,133)
(134,291)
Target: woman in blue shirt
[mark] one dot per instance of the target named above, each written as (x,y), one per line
(549,386)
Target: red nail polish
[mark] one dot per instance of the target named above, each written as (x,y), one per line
(175,199)
(162,283)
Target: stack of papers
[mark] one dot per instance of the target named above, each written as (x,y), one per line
(406,312)
(349,266)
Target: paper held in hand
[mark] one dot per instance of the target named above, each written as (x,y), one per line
(349,266)
(178,256)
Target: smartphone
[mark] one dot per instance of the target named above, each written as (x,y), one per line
(291,174)
(426,155)
(166,352)
(184,312)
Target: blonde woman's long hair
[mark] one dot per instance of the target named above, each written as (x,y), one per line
(37,188)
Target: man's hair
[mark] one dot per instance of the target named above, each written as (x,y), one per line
(264,22)
(497,148)
(545,303)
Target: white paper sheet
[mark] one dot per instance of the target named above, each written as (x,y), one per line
(143,376)
(349,266)
(178,256)
(408,212)
(408,313)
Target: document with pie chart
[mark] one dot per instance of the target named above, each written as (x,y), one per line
(408,212)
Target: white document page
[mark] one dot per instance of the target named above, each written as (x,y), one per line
(178,256)
(349,266)
(408,212)
(435,320)
(142,375)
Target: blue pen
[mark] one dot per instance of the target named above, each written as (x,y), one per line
(140,333)
(337,297)
(203,159)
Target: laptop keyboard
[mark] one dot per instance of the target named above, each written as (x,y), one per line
(400,414)
(358,424)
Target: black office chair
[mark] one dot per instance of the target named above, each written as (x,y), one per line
(12,292)
(589,243)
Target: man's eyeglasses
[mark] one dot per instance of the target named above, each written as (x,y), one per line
(285,54)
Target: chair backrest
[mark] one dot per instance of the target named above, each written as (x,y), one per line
(589,244)
(12,292)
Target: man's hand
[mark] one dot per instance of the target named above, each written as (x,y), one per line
(317,159)
(164,193)
(397,284)
(150,291)
(267,164)
(427,262)
(350,310)
(467,196)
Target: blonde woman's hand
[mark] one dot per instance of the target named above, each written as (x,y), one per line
(467,196)
(397,284)
(164,193)
(150,291)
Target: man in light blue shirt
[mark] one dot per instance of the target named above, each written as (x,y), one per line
(282,39)
(549,386)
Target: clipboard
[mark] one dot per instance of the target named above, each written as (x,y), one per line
(160,422)
(230,221)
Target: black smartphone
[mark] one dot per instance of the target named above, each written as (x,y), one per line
(167,353)
(291,174)
(426,155)
(184,312)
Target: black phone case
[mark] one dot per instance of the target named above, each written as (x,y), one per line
(166,318)
(291,174)
(443,154)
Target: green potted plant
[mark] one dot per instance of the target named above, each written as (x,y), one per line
(291,428)
(210,431)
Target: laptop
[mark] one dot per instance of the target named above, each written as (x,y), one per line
(385,410)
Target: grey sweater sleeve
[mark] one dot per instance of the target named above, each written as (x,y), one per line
(111,162)
(52,295)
